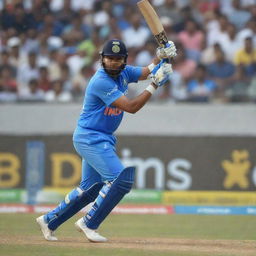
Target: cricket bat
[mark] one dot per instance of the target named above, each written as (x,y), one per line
(153,22)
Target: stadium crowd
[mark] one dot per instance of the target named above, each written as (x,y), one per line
(49,49)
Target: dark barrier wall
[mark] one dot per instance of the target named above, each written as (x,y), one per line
(164,163)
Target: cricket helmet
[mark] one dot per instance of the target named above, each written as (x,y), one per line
(114,47)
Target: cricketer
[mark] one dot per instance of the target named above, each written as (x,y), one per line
(105,180)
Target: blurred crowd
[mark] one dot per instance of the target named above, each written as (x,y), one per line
(50,49)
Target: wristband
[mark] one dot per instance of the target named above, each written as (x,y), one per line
(151,89)
(151,67)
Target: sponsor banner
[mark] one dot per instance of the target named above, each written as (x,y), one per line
(211,198)
(216,210)
(123,209)
(147,209)
(16,208)
(11,195)
(143,196)
(144,209)
(51,195)
(162,162)
(231,198)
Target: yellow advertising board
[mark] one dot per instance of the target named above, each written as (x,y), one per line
(229,198)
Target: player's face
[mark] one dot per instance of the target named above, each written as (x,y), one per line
(113,62)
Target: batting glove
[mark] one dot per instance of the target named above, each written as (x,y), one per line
(169,51)
(160,74)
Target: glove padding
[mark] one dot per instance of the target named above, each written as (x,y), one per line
(169,51)
(160,74)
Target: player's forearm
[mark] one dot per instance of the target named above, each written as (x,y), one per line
(138,102)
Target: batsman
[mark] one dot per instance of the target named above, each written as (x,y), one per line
(105,180)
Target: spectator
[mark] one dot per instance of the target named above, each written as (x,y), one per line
(170,9)
(44,82)
(230,42)
(124,21)
(137,34)
(57,94)
(167,23)
(27,72)
(20,20)
(221,70)
(110,30)
(186,67)
(227,8)
(80,81)
(31,42)
(87,5)
(17,57)
(238,16)
(188,13)
(208,53)
(90,46)
(248,31)
(247,57)
(102,11)
(216,28)
(76,61)
(206,6)
(4,62)
(201,89)
(66,77)
(57,58)
(192,39)
(34,94)
(63,13)
(76,24)
(146,55)
(8,85)
(238,90)
(118,9)
(176,90)
(51,25)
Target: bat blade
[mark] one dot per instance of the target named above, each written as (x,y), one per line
(153,22)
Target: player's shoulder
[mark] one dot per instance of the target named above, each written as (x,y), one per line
(100,76)
(101,80)
(128,67)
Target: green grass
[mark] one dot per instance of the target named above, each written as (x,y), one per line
(19,236)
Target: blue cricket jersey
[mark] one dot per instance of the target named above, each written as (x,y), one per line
(99,119)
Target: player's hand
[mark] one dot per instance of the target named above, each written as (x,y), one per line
(160,74)
(169,51)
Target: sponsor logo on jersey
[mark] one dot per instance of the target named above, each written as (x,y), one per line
(112,111)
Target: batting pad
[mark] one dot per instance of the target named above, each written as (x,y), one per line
(109,196)
(73,203)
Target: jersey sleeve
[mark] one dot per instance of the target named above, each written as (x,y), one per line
(133,73)
(107,91)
